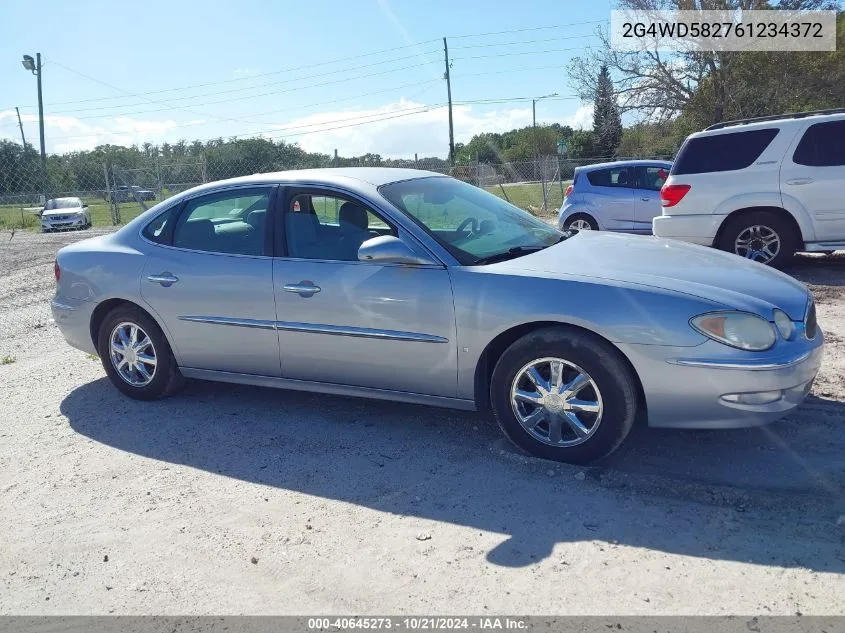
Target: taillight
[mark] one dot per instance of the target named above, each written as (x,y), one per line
(568,191)
(57,271)
(670,195)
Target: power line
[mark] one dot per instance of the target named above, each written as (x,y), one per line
(551,50)
(548,39)
(535,28)
(242,89)
(250,78)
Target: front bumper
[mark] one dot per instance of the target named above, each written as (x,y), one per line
(696,229)
(76,222)
(703,388)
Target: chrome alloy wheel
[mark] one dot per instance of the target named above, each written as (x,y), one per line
(759,243)
(556,402)
(580,225)
(132,354)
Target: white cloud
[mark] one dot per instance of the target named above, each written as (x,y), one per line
(397,129)
(582,119)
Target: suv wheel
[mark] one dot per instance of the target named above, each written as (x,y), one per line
(761,236)
(563,394)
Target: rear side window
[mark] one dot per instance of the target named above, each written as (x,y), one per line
(158,230)
(722,152)
(823,145)
(610,177)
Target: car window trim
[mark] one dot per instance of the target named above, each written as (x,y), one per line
(180,207)
(288,190)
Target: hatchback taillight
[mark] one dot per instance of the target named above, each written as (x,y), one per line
(568,191)
(670,195)
(57,271)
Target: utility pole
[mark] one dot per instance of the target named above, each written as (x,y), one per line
(34,66)
(20,125)
(449,92)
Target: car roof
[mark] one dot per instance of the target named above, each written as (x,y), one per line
(769,122)
(625,163)
(376,176)
(70,198)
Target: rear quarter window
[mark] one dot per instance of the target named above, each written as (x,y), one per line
(823,145)
(722,152)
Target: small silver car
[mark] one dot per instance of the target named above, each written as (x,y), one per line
(621,196)
(64,214)
(407,285)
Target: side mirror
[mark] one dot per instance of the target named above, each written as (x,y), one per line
(387,249)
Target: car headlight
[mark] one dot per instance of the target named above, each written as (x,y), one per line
(784,324)
(737,329)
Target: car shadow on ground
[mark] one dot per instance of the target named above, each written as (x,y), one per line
(818,269)
(452,467)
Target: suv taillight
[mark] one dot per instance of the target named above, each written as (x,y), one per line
(670,195)
(57,271)
(568,191)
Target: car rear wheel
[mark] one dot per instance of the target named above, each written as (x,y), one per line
(136,355)
(761,236)
(564,394)
(581,222)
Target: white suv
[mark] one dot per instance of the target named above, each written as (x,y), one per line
(761,188)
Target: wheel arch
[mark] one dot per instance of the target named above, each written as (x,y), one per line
(497,346)
(106,306)
(779,211)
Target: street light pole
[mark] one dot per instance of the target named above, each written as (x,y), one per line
(537,146)
(35,67)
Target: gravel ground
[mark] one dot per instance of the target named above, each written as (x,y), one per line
(229,500)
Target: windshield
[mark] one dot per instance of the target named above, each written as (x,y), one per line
(472,224)
(63,203)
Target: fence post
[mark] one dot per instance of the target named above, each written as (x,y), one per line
(543,185)
(109,198)
(560,177)
(23,222)
(203,174)
(334,162)
(416,162)
(158,178)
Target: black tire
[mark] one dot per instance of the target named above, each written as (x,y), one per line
(166,376)
(604,364)
(594,226)
(788,240)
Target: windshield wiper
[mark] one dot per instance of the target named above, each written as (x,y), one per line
(512,253)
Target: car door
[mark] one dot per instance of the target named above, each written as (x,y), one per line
(365,324)
(647,183)
(611,197)
(814,174)
(209,278)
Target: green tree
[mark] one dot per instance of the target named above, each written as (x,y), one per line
(607,122)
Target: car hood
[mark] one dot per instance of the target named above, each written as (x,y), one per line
(703,272)
(51,212)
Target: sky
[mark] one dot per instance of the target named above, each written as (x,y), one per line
(353,75)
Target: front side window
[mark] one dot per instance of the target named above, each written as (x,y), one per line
(231,222)
(823,145)
(652,178)
(722,152)
(475,226)
(331,227)
(610,177)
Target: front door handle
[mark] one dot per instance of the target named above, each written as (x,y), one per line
(165,279)
(304,288)
(799,181)
(646,199)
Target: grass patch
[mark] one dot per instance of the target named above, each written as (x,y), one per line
(529,196)
(18,217)
(7,360)
(92,357)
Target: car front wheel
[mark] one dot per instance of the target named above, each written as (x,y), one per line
(136,355)
(581,222)
(564,394)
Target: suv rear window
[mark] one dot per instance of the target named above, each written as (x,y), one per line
(823,145)
(722,152)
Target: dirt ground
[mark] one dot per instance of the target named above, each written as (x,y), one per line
(230,500)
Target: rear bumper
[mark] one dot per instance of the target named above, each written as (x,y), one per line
(73,318)
(695,388)
(697,229)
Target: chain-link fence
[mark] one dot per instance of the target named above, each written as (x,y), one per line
(116,192)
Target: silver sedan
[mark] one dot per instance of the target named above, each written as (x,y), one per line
(411,286)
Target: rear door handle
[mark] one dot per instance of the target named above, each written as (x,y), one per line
(646,199)
(165,279)
(304,288)
(799,181)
